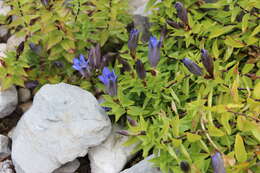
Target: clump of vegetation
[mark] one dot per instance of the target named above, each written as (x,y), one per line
(191,96)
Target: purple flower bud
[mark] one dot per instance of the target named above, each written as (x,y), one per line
(140,70)
(182,12)
(82,65)
(131,121)
(185,166)
(35,48)
(31,84)
(126,66)
(218,163)
(45,2)
(58,64)
(154,51)
(109,79)
(192,66)
(123,132)
(174,24)
(94,57)
(133,41)
(207,62)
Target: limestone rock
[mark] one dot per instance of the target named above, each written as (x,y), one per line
(69,167)
(111,156)
(24,94)
(13,42)
(143,166)
(8,101)
(2,50)
(6,166)
(4,146)
(63,122)
(4,9)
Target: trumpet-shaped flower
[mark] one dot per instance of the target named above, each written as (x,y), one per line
(81,64)
(133,41)
(218,163)
(154,51)
(207,62)
(109,79)
(192,66)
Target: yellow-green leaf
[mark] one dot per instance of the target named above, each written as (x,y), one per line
(233,43)
(215,49)
(256,31)
(245,21)
(193,137)
(220,31)
(213,131)
(256,92)
(240,151)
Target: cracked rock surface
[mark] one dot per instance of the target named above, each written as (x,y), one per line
(61,125)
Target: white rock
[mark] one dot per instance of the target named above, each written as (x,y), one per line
(143,166)
(111,156)
(3,31)
(8,101)
(24,94)
(4,146)
(13,42)
(2,50)
(137,7)
(63,122)
(6,166)
(69,167)
(4,9)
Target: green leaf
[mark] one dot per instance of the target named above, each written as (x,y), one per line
(215,49)
(233,43)
(6,83)
(193,137)
(247,68)
(240,151)
(213,131)
(220,31)
(256,30)
(245,21)
(67,45)
(256,92)
(53,39)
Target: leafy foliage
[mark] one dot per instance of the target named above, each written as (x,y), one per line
(187,117)
(183,118)
(63,29)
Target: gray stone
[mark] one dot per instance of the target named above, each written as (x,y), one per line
(4,9)
(6,166)
(143,166)
(111,156)
(69,167)
(13,42)
(24,94)
(8,101)
(137,7)
(4,34)
(4,146)
(2,50)
(25,106)
(63,122)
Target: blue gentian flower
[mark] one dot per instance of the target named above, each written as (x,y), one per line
(140,70)
(182,12)
(133,41)
(192,66)
(218,163)
(94,57)
(81,64)
(207,61)
(35,48)
(109,79)
(185,166)
(154,51)
(45,2)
